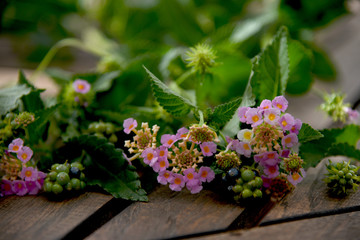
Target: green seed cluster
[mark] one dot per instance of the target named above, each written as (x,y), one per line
(342,177)
(65,177)
(103,129)
(248,185)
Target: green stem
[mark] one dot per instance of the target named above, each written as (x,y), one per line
(183,77)
(68,42)
(320,93)
(223,137)
(201,115)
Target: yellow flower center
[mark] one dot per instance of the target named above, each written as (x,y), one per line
(177,181)
(279,106)
(162,164)
(28,173)
(246,146)
(288,140)
(271,155)
(150,156)
(206,149)
(255,118)
(80,86)
(295,176)
(247,135)
(204,174)
(24,156)
(272,117)
(19,185)
(166,175)
(190,176)
(170,141)
(284,123)
(15,148)
(131,126)
(272,169)
(162,153)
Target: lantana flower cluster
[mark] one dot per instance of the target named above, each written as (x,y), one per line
(270,141)
(19,177)
(179,158)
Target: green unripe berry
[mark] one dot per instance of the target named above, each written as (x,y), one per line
(348,175)
(68,186)
(113,138)
(341,174)
(48,186)
(252,183)
(342,181)
(52,175)
(247,186)
(351,182)
(239,181)
(258,193)
(258,182)
(54,166)
(62,178)
(56,188)
(77,165)
(76,184)
(345,170)
(99,135)
(247,175)
(246,193)
(237,188)
(62,168)
(109,129)
(82,185)
(82,176)
(236,198)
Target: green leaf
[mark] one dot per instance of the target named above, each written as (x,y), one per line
(307,133)
(32,101)
(271,68)
(104,83)
(37,129)
(223,113)
(107,168)
(168,99)
(336,141)
(9,97)
(323,67)
(300,65)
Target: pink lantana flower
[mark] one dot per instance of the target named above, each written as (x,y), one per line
(280,103)
(296,127)
(265,104)
(182,133)
(272,171)
(24,154)
(160,165)
(206,174)
(259,157)
(29,174)
(33,187)
(208,148)
(270,158)
(352,114)
(271,116)
(242,113)
(285,153)
(6,187)
(195,187)
(129,125)
(253,117)
(191,176)
(168,140)
(245,135)
(287,121)
(150,156)
(16,145)
(295,178)
(165,177)
(19,187)
(177,182)
(81,86)
(244,149)
(289,140)
(162,152)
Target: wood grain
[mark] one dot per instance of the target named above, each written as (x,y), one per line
(311,198)
(341,226)
(171,214)
(35,217)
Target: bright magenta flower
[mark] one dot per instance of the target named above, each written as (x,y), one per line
(33,187)
(6,187)
(24,154)
(272,171)
(81,86)
(16,145)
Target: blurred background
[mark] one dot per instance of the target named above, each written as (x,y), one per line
(123,35)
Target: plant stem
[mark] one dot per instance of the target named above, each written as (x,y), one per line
(68,42)
(201,115)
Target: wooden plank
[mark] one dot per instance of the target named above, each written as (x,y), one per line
(311,198)
(341,226)
(36,217)
(171,214)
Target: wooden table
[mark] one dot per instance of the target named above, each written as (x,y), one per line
(306,213)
